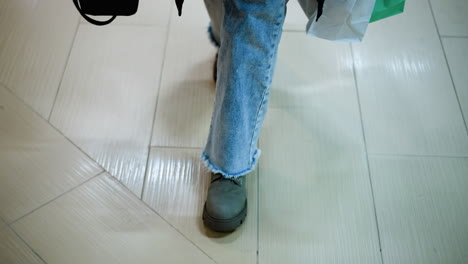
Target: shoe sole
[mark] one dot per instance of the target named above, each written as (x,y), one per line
(224,225)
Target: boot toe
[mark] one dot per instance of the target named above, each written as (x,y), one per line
(225,203)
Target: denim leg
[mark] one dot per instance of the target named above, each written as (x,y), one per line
(250,33)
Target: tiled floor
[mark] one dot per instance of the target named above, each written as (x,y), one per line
(364,146)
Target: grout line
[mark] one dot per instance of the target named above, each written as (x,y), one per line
(365,149)
(170,147)
(146,172)
(22,240)
(446,36)
(63,72)
(145,175)
(417,155)
(57,197)
(103,170)
(12,92)
(54,128)
(71,49)
(164,219)
(448,66)
(3,221)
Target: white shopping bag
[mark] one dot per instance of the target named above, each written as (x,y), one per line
(341,20)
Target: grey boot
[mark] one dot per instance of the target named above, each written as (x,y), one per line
(226,205)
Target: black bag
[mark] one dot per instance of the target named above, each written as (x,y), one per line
(112,8)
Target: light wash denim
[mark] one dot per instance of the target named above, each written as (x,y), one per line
(247,33)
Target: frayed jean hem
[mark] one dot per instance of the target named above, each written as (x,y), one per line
(211,36)
(215,169)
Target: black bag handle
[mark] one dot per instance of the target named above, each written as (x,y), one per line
(89,19)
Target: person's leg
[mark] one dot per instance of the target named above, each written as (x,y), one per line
(248,32)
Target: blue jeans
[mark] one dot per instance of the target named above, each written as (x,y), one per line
(247,33)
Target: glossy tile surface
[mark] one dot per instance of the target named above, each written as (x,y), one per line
(456,50)
(315,201)
(186,97)
(13,250)
(176,187)
(308,68)
(296,20)
(35,41)
(102,222)
(421,208)
(37,164)
(408,101)
(150,12)
(312,198)
(107,98)
(451,16)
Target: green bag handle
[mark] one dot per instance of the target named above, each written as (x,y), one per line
(386,8)
(89,19)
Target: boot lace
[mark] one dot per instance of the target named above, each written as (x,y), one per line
(235,180)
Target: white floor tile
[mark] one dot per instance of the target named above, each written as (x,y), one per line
(451,16)
(13,250)
(107,98)
(308,68)
(37,164)
(176,187)
(421,208)
(296,19)
(101,222)
(150,12)
(315,203)
(35,40)
(408,101)
(456,50)
(186,97)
